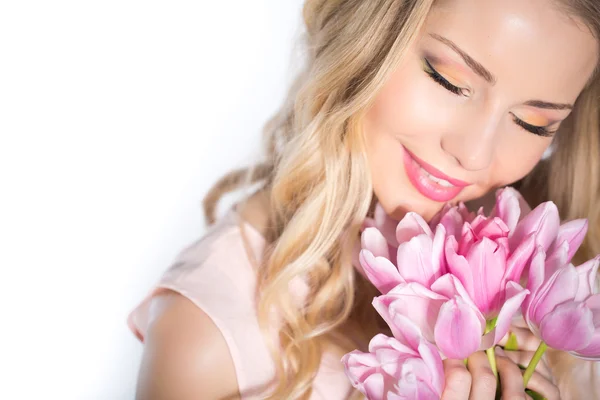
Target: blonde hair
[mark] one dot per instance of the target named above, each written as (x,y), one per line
(320,190)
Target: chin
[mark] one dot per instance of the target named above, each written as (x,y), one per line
(397,205)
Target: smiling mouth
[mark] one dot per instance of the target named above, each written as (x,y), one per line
(429,181)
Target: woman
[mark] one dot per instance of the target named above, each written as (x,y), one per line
(408,103)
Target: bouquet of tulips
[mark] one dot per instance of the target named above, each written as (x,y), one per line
(452,287)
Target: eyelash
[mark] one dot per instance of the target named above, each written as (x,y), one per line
(537,130)
(439,79)
(433,74)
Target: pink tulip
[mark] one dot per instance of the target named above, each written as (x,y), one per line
(446,314)
(418,253)
(385,248)
(563,308)
(543,222)
(485,255)
(405,367)
(510,207)
(482,261)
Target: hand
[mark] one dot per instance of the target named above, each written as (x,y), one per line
(541,383)
(477,381)
(528,344)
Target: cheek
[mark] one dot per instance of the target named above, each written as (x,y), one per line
(410,106)
(516,156)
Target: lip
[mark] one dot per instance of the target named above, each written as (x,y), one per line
(426,186)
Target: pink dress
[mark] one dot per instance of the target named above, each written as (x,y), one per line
(216,274)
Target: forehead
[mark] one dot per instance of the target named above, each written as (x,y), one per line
(533,45)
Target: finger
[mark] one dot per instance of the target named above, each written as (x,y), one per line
(458,380)
(523,358)
(525,339)
(483,381)
(511,379)
(543,386)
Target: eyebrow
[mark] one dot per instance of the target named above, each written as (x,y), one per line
(489,77)
(549,106)
(474,65)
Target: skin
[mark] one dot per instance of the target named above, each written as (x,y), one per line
(474,138)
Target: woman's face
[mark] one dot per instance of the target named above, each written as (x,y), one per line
(475,102)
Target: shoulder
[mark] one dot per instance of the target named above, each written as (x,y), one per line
(185,354)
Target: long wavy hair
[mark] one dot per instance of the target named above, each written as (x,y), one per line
(316,177)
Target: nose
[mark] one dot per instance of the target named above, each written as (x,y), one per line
(472,143)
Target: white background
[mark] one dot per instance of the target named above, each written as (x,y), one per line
(116,116)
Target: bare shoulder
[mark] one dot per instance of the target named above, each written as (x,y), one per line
(185,354)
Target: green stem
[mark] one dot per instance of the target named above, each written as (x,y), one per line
(534,362)
(511,344)
(491,354)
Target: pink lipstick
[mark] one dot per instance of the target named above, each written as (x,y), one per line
(431,182)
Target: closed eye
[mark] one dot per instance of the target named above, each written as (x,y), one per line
(537,130)
(438,78)
(433,74)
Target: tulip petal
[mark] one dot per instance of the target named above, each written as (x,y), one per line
(557,259)
(467,239)
(380,342)
(356,258)
(587,273)
(380,271)
(411,384)
(467,216)
(572,232)
(515,295)
(431,357)
(386,225)
(452,222)
(412,225)
(523,205)
(569,327)
(358,358)
(458,265)
(488,340)
(414,260)
(487,261)
(417,303)
(561,287)
(478,222)
(372,239)
(388,372)
(457,331)
(408,332)
(374,387)
(358,366)
(593,303)
(438,261)
(519,258)
(592,351)
(507,207)
(537,271)
(543,220)
(435,221)
(391,360)
(493,228)
(450,286)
